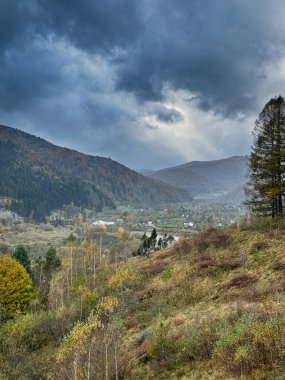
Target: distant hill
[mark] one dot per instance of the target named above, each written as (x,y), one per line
(39,177)
(220,180)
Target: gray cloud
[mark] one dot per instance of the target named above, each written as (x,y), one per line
(217,50)
(167,115)
(89,74)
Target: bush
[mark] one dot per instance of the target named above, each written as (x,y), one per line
(212,237)
(241,280)
(249,344)
(161,347)
(205,262)
(198,341)
(154,268)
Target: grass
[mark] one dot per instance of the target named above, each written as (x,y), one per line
(37,238)
(223,275)
(210,307)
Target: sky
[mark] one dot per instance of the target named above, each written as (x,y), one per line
(149,83)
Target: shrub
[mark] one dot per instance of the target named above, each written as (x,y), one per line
(205,262)
(214,237)
(161,347)
(154,268)
(260,245)
(230,264)
(241,280)
(248,344)
(184,245)
(198,341)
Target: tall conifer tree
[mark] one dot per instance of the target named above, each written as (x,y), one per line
(266,184)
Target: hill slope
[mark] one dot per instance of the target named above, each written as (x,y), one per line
(210,307)
(220,179)
(40,176)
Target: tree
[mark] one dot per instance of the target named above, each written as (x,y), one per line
(21,255)
(153,240)
(52,262)
(266,185)
(15,288)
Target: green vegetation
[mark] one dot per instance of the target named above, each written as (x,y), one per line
(211,306)
(21,255)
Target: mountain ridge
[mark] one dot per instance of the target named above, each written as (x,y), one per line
(30,164)
(221,179)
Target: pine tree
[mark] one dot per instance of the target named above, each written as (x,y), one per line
(265,187)
(153,239)
(52,261)
(21,255)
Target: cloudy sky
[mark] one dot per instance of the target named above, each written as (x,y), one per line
(149,83)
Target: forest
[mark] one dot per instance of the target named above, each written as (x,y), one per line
(39,177)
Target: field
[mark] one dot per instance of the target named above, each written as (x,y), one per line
(36,237)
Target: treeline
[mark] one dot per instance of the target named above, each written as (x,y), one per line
(151,243)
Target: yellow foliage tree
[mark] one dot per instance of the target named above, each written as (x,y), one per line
(74,358)
(125,278)
(15,288)
(121,233)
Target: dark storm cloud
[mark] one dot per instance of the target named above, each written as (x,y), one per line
(100,68)
(98,26)
(167,115)
(26,69)
(216,50)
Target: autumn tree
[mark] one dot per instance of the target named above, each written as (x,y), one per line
(265,187)
(15,288)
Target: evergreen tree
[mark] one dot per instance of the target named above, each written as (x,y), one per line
(52,261)
(152,239)
(265,187)
(21,255)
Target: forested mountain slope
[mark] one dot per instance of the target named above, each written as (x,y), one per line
(221,179)
(40,176)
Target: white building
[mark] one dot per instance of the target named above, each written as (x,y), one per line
(102,223)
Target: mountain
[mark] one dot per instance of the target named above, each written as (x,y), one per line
(221,180)
(39,177)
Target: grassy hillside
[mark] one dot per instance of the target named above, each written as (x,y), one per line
(40,176)
(219,179)
(210,307)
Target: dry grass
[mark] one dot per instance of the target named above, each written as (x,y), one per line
(37,238)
